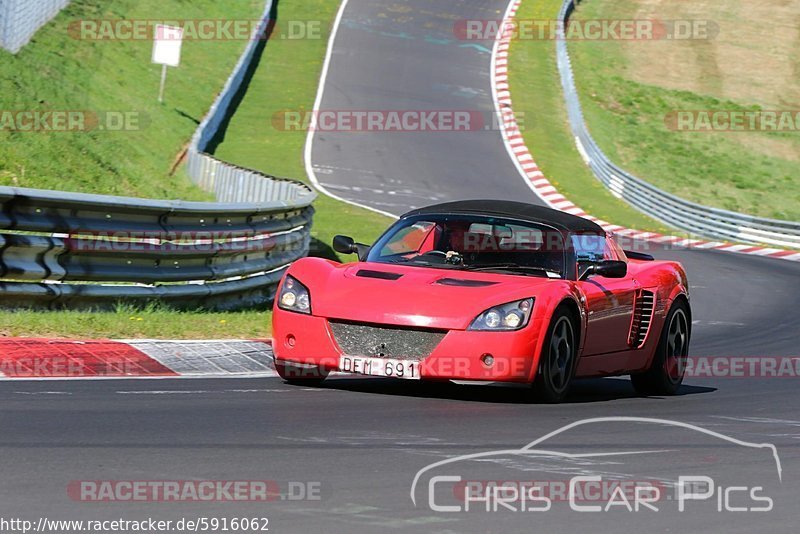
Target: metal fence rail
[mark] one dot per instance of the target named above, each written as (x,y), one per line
(229,182)
(74,250)
(80,251)
(677,212)
(20,19)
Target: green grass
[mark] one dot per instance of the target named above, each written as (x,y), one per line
(625,103)
(287,79)
(59,72)
(131,323)
(138,163)
(536,93)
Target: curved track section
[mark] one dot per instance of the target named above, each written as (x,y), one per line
(364,440)
(388,56)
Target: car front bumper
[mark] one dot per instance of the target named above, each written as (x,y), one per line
(458,355)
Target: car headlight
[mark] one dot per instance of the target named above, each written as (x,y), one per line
(294,296)
(511,316)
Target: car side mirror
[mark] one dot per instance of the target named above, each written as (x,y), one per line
(607,269)
(346,245)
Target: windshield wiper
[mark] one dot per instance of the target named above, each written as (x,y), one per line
(411,260)
(423,263)
(512,267)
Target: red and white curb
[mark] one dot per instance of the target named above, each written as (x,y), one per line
(42,359)
(515,144)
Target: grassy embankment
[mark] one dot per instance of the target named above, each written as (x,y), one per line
(58,72)
(536,92)
(750,61)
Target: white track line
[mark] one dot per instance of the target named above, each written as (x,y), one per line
(511,147)
(317,103)
(544,189)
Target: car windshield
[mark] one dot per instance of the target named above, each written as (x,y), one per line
(473,242)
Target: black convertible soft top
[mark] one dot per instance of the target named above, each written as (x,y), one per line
(517,210)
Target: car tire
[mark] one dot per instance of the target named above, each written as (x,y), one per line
(666,372)
(301,375)
(558,358)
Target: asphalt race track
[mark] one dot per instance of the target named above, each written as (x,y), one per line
(362,440)
(404,56)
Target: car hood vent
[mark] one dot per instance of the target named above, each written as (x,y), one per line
(464,283)
(642,318)
(381,275)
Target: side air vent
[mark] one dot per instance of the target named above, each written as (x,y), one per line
(642,318)
(464,283)
(381,275)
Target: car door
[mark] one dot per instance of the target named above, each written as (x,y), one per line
(609,301)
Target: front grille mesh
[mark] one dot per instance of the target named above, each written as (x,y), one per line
(356,339)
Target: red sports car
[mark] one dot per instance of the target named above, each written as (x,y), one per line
(486,291)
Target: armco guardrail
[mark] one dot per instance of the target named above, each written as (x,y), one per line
(89,251)
(77,250)
(677,212)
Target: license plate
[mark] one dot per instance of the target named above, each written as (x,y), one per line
(363,365)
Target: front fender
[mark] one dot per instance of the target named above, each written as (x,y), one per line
(545,308)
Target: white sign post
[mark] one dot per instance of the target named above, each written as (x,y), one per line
(167,51)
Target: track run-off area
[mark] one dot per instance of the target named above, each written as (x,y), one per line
(343,457)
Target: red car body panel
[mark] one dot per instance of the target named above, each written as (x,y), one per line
(416,300)
(391,306)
